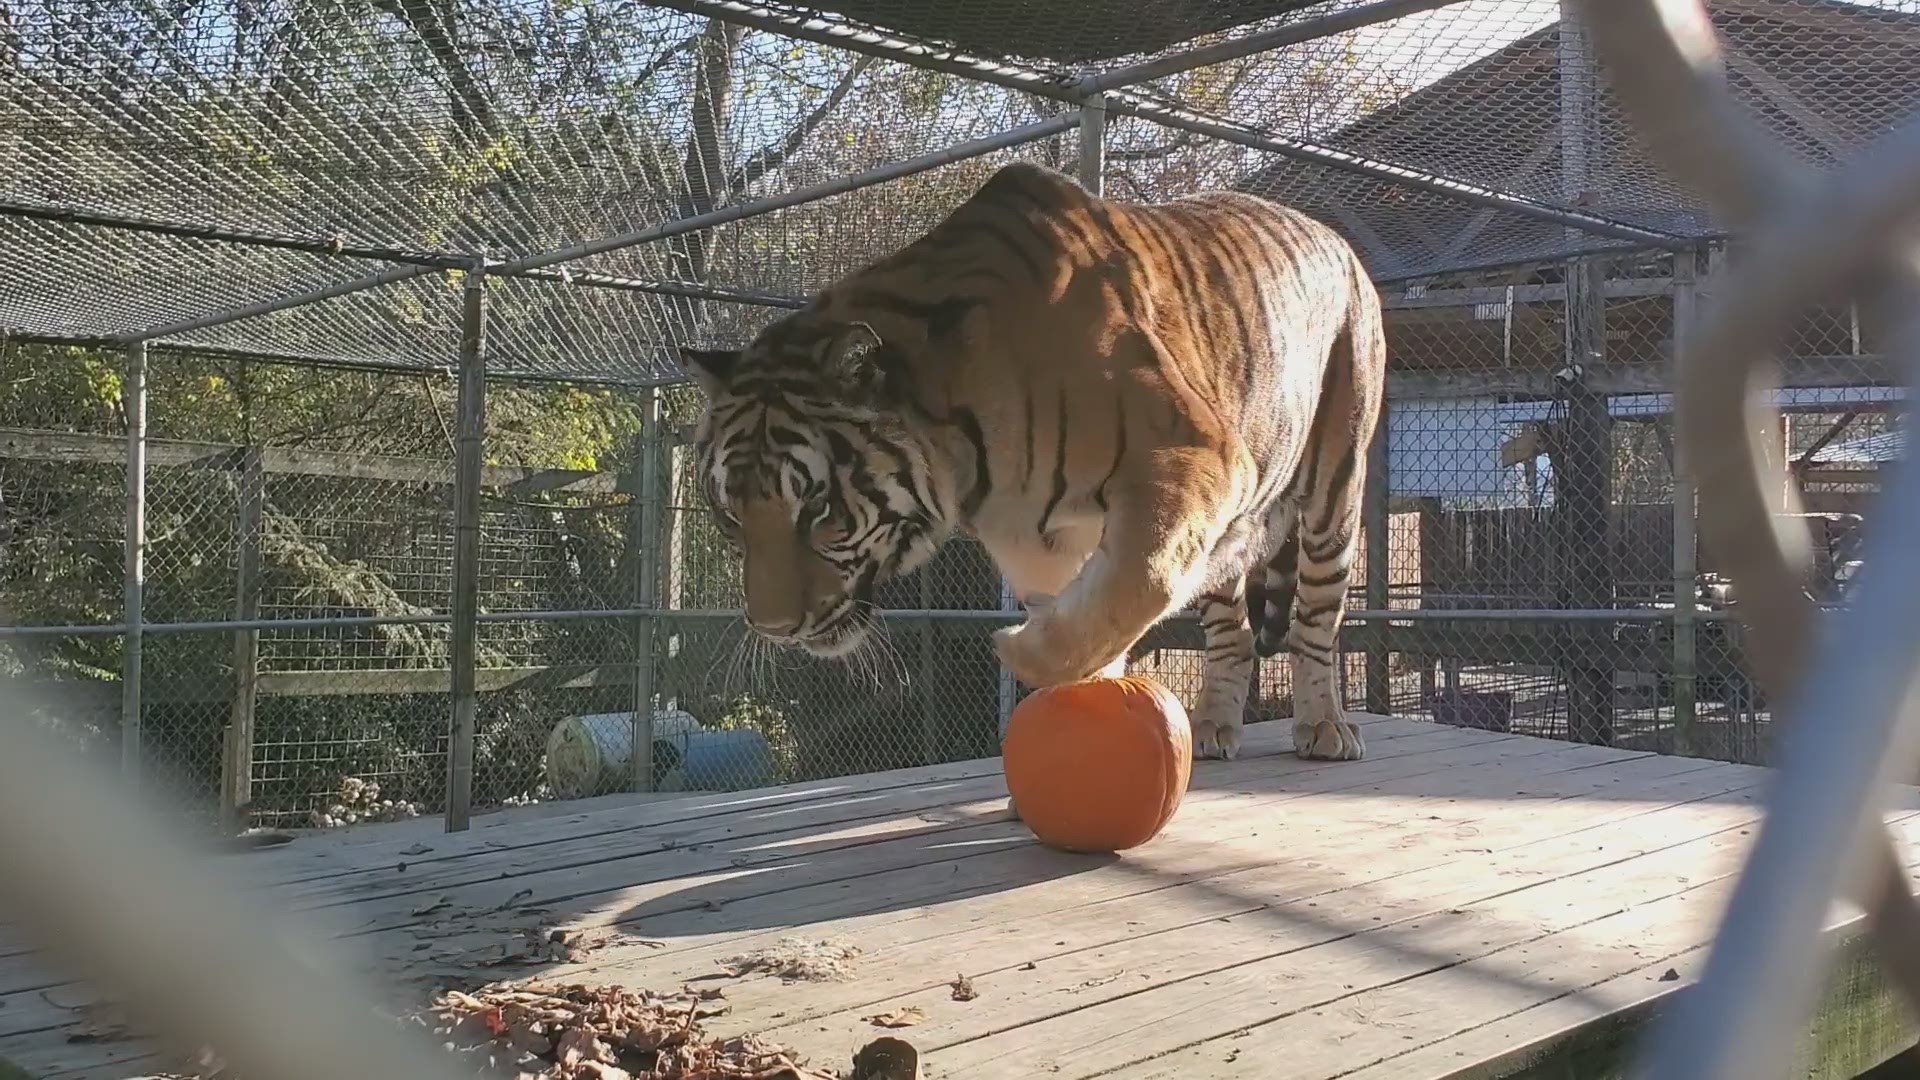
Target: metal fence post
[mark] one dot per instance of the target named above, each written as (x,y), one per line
(1583,476)
(133,398)
(1375,524)
(236,786)
(467,462)
(1685,548)
(646,589)
(1093,143)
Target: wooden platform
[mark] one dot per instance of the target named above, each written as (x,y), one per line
(1458,904)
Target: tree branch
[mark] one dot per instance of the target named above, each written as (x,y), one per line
(653,66)
(771,157)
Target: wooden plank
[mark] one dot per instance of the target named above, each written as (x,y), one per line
(1215,847)
(343,874)
(736,866)
(328,856)
(683,870)
(349,683)
(437,680)
(1596,1031)
(1265,912)
(27,444)
(1197,877)
(1267,752)
(1330,1008)
(1264,890)
(1030,863)
(1589,942)
(315,859)
(614,890)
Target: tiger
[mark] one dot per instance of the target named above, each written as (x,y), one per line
(1137,408)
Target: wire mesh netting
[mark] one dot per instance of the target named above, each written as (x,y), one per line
(170,166)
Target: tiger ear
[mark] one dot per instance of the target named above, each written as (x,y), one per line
(711,368)
(859,359)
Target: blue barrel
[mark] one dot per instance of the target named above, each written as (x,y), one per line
(725,760)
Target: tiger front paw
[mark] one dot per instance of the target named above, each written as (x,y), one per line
(1212,739)
(1036,654)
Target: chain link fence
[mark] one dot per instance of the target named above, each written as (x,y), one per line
(351,242)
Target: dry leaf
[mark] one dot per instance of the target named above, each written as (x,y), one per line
(433,905)
(905,1016)
(516,900)
(579,1044)
(963,988)
(417,849)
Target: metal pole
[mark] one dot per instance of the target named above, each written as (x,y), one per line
(467,463)
(872,42)
(1465,191)
(429,259)
(1376,523)
(972,148)
(268,307)
(133,398)
(1685,547)
(1093,143)
(1293,33)
(647,588)
(236,789)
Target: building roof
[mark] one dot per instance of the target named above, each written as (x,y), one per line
(1825,76)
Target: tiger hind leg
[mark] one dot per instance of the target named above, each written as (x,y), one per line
(1220,713)
(1333,479)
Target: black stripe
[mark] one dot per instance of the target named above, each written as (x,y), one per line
(1241,261)
(1173,261)
(1188,280)
(1332,493)
(942,316)
(1059,466)
(904,473)
(1312,652)
(1327,554)
(982,474)
(1307,615)
(1119,449)
(839,448)
(1073,235)
(1013,244)
(1317,581)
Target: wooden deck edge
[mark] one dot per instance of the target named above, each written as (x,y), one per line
(1860,1023)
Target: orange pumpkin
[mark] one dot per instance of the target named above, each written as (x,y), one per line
(1098,765)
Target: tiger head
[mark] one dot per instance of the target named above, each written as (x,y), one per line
(815,472)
